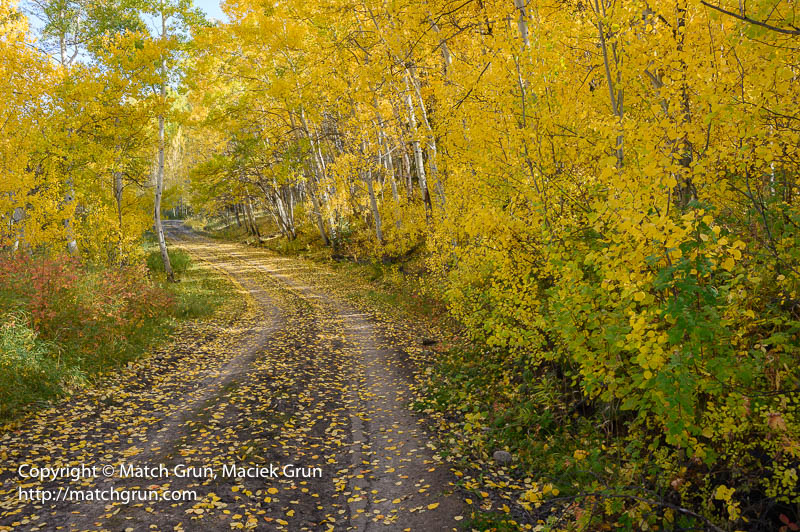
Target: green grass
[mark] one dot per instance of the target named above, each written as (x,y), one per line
(200,292)
(178,259)
(392,287)
(30,369)
(490,521)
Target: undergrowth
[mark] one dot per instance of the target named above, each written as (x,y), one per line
(579,462)
(63,324)
(178,259)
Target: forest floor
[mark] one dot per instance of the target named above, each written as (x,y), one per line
(287,374)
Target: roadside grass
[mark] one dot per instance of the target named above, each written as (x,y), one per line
(29,371)
(178,259)
(64,325)
(200,292)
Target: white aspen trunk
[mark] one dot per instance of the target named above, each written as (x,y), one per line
(385,152)
(72,244)
(290,200)
(69,208)
(417,149)
(285,211)
(236,213)
(238,209)
(118,188)
(16,218)
(316,204)
(430,139)
(318,175)
(446,58)
(522,23)
(270,194)
(69,200)
(252,217)
(248,223)
(407,174)
(326,194)
(374,205)
(373,202)
(277,214)
(282,213)
(20,238)
(318,215)
(616,104)
(158,226)
(327,191)
(405,163)
(388,165)
(62,43)
(415,145)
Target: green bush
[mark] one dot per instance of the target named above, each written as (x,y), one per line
(29,367)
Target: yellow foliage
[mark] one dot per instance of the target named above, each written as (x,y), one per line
(609,188)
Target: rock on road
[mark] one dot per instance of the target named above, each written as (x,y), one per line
(287,411)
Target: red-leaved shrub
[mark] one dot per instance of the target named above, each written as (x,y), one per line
(70,302)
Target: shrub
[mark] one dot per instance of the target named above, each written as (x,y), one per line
(29,367)
(65,320)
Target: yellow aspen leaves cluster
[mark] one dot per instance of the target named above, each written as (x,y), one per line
(23,76)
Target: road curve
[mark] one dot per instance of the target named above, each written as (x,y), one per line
(288,412)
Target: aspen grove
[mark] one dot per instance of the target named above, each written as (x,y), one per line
(602,193)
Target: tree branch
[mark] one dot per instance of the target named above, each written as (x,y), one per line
(752,21)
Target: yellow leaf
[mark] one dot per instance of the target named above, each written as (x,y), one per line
(728,263)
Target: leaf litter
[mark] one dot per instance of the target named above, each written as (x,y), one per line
(287,373)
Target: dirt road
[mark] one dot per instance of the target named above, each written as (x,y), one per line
(288,412)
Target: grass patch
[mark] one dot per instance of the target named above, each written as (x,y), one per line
(200,293)
(392,287)
(179,259)
(490,521)
(201,289)
(30,368)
